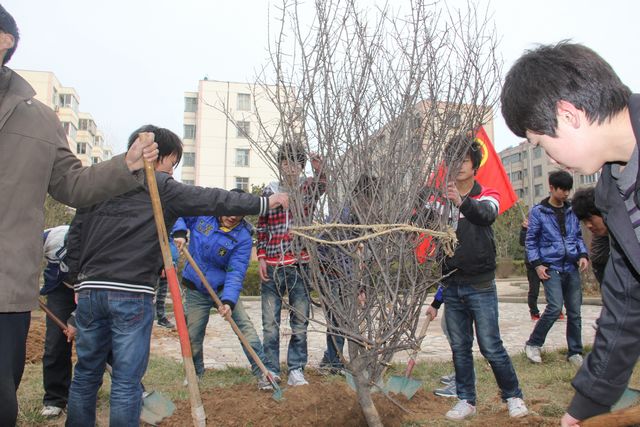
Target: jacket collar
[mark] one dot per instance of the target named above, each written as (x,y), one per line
(19,91)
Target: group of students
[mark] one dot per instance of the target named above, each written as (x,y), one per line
(563,97)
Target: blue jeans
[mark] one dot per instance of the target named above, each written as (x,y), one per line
(469,305)
(335,343)
(561,288)
(285,279)
(110,322)
(198,307)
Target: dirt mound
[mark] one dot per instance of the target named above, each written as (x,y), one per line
(330,403)
(35,339)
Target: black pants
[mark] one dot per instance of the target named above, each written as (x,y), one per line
(534,290)
(161,297)
(14,328)
(56,361)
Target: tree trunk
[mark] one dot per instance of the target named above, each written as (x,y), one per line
(363,389)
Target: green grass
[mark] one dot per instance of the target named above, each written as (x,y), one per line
(548,384)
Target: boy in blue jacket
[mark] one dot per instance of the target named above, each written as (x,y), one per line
(555,248)
(221,246)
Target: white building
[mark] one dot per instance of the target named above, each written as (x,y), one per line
(83,135)
(217,152)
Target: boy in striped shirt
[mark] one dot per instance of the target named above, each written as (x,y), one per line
(568,100)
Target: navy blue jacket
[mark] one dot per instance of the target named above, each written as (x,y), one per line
(545,244)
(222,256)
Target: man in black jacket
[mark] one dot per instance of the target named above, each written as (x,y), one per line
(567,99)
(113,246)
(470,291)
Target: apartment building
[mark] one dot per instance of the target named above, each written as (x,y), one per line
(217,151)
(528,168)
(83,135)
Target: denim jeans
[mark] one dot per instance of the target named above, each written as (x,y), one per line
(56,360)
(283,280)
(113,322)
(198,306)
(335,343)
(469,305)
(561,288)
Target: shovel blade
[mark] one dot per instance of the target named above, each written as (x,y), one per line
(630,397)
(403,385)
(277,393)
(155,407)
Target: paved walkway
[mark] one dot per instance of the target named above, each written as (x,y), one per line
(222,347)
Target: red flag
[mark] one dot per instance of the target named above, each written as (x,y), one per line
(491,172)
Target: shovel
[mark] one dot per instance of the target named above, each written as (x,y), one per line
(197,409)
(155,406)
(407,385)
(277,394)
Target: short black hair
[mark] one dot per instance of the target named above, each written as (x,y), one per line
(583,203)
(8,25)
(466,144)
(550,73)
(293,153)
(168,142)
(561,179)
(237,190)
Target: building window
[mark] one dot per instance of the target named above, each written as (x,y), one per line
(69,129)
(589,179)
(242,183)
(189,132)
(81,148)
(189,159)
(524,155)
(537,152)
(190,104)
(188,181)
(244,102)
(537,171)
(244,129)
(537,190)
(67,100)
(95,160)
(525,173)
(242,157)
(516,176)
(526,191)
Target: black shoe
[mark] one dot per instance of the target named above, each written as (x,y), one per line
(165,323)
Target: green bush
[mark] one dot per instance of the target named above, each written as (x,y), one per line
(251,286)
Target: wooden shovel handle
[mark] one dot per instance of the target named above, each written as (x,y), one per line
(623,417)
(197,410)
(52,316)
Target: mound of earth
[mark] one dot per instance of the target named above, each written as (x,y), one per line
(330,402)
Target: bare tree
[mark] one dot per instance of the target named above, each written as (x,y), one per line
(382,96)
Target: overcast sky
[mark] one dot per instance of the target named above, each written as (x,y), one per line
(131,61)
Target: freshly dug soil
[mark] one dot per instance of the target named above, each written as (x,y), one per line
(326,402)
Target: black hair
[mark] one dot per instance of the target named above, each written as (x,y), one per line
(550,73)
(237,190)
(293,153)
(168,142)
(8,25)
(561,179)
(584,205)
(366,187)
(464,143)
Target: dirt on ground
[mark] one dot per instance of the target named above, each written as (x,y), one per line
(35,339)
(327,402)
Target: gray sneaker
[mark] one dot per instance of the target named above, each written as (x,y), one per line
(296,378)
(576,360)
(461,410)
(448,379)
(533,353)
(447,391)
(264,384)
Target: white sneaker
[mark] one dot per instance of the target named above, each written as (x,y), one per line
(516,407)
(461,410)
(50,411)
(296,378)
(576,360)
(533,353)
